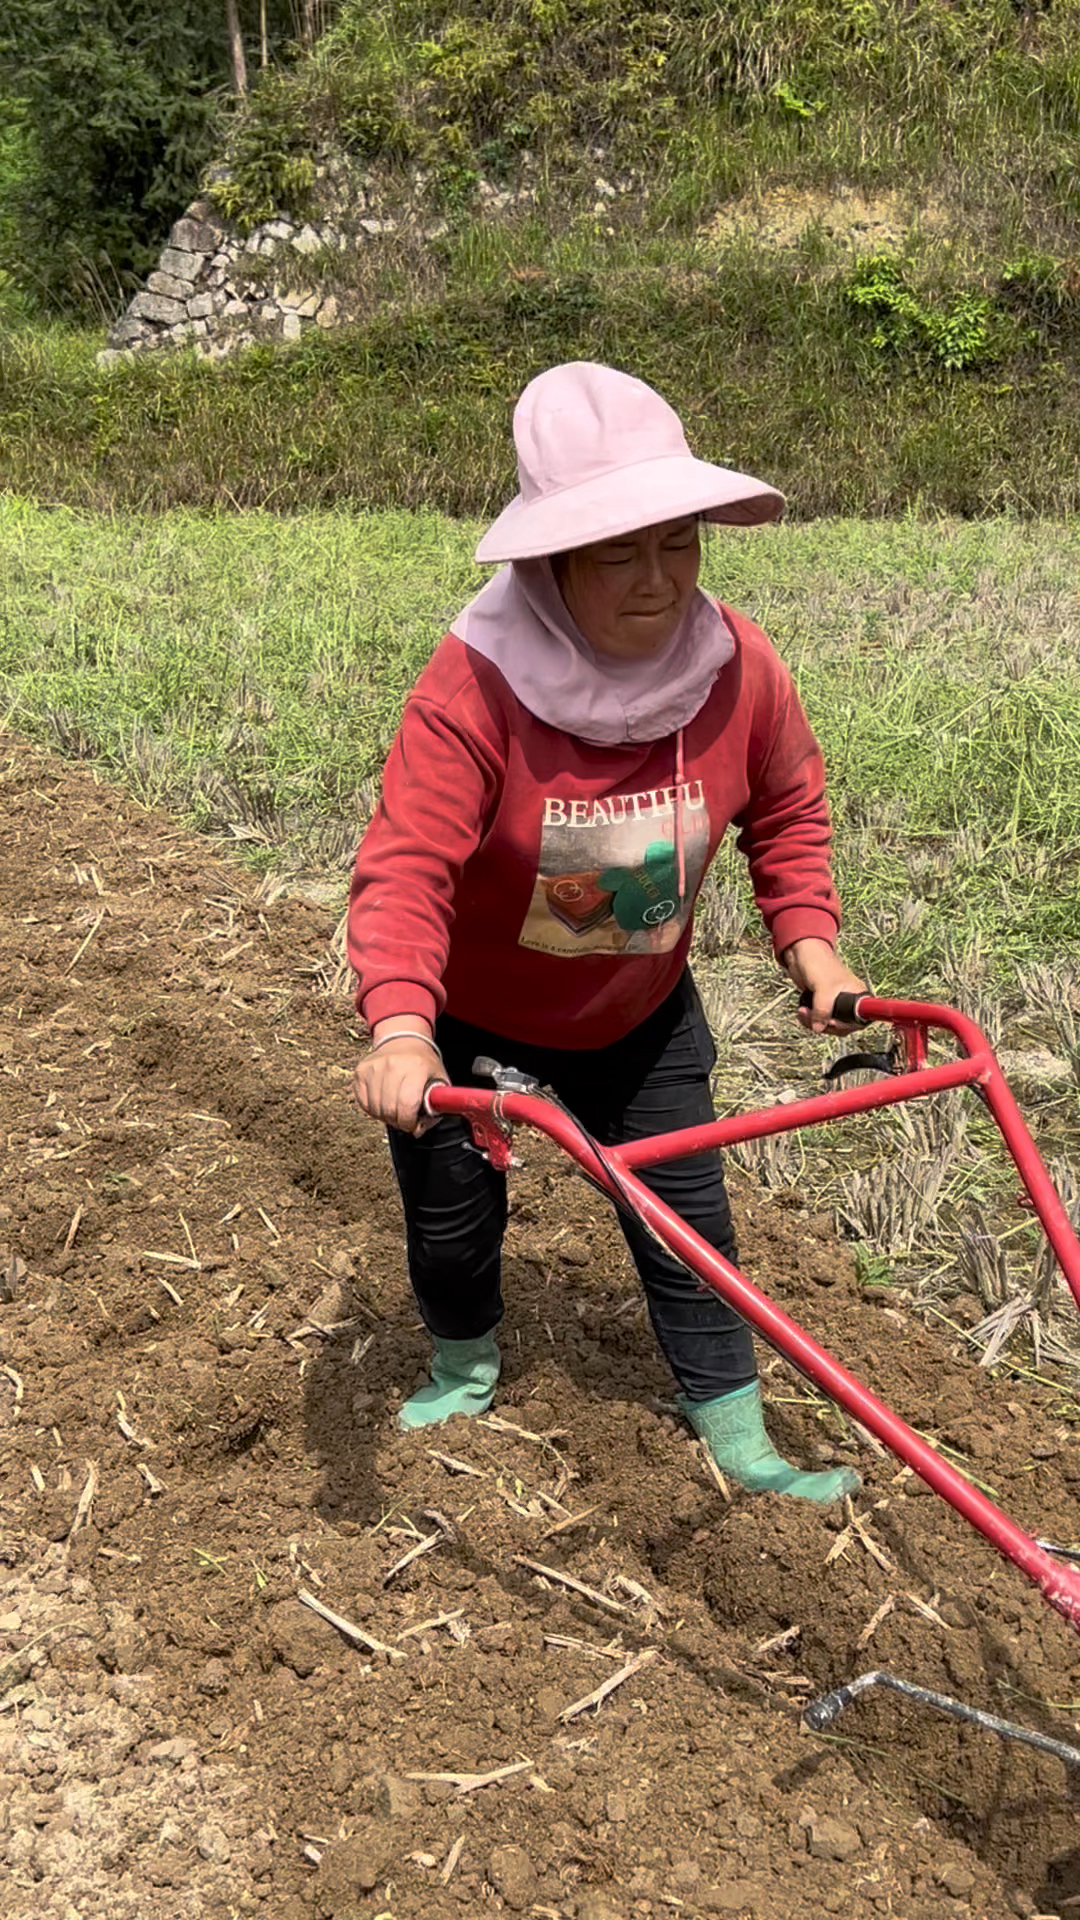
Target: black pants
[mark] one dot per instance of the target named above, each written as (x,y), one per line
(652,1081)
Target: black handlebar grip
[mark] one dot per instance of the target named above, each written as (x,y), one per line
(843,1008)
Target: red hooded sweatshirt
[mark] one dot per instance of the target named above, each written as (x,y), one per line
(529,882)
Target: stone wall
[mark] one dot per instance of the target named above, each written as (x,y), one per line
(215,289)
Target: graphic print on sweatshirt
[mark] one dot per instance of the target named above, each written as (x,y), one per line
(608,876)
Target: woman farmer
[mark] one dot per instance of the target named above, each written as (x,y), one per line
(566,767)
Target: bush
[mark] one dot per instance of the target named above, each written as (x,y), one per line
(16,165)
(961,331)
(270,159)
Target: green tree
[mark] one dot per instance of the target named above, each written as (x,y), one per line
(122,99)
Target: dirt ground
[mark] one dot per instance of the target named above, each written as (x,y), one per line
(204,1335)
(785,216)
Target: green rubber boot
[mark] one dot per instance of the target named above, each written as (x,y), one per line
(464,1375)
(733,1429)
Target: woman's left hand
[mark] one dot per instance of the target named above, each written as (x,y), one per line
(817,968)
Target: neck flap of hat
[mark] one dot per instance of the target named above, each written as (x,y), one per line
(520,622)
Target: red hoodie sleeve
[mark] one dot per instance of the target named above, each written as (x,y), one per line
(440,782)
(784,830)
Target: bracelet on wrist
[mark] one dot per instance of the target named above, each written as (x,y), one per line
(406,1033)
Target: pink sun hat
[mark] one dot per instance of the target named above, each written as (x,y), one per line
(601,454)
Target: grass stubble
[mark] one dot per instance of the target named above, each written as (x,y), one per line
(247,672)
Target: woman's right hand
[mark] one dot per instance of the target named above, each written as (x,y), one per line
(390,1083)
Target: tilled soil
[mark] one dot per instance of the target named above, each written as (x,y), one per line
(209,1334)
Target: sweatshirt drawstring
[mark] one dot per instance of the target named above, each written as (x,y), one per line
(680,848)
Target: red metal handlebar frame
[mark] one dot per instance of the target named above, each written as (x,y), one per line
(491,1116)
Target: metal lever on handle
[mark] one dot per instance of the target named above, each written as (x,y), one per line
(507,1079)
(908,1053)
(863,1063)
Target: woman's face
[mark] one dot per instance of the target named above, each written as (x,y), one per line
(628,595)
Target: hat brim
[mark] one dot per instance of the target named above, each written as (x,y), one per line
(644,495)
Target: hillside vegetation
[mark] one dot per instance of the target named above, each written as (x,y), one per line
(978,100)
(574,178)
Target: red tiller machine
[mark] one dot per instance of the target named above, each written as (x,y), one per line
(909,1076)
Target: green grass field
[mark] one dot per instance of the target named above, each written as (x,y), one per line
(248,671)
(764,353)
